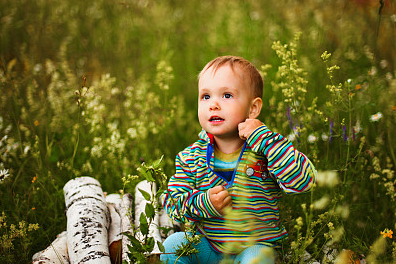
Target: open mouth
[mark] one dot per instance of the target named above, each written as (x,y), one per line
(216,119)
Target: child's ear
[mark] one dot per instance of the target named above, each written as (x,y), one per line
(255,108)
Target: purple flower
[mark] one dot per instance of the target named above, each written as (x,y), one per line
(331,131)
(344,133)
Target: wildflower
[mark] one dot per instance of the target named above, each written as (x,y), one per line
(4,174)
(383,64)
(376,117)
(33,208)
(357,128)
(291,137)
(394,107)
(331,131)
(327,178)
(358,87)
(312,138)
(321,203)
(344,135)
(36,122)
(34,179)
(26,150)
(325,137)
(38,67)
(372,71)
(387,233)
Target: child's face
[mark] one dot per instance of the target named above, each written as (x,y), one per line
(224,101)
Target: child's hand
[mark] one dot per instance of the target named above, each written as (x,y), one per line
(246,128)
(220,198)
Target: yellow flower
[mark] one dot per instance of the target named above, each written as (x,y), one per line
(387,233)
(36,122)
(394,107)
(358,87)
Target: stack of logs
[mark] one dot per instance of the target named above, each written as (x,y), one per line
(96,225)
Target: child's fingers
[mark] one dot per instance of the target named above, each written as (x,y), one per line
(227,201)
(217,189)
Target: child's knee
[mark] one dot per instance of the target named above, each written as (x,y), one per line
(257,254)
(173,241)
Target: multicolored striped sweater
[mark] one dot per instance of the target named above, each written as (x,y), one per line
(268,164)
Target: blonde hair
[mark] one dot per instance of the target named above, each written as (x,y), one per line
(244,65)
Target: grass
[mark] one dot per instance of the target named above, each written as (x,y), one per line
(96,88)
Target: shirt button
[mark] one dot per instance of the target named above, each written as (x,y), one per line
(249,171)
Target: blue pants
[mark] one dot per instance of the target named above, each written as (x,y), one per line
(207,255)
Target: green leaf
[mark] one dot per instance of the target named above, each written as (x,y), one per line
(146,174)
(159,193)
(161,247)
(150,211)
(143,224)
(158,162)
(136,244)
(149,244)
(145,194)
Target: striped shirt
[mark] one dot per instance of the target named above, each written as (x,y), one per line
(268,165)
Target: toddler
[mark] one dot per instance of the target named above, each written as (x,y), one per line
(229,181)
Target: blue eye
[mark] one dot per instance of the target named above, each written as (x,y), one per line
(227,96)
(205,96)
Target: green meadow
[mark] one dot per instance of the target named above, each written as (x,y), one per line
(99,87)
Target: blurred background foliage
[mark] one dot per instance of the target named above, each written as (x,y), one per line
(98,87)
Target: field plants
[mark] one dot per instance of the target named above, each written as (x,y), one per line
(106,89)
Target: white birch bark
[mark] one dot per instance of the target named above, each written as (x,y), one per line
(140,206)
(115,236)
(88,220)
(166,221)
(56,253)
(115,225)
(123,205)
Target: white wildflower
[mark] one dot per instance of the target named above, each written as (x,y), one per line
(38,67)
(291,137)
(26,150)
(312,138)
(321,203)
(327,178)
(376,117)
(325,137)
(357,128)
(4,174)
(132,132)
(383,64)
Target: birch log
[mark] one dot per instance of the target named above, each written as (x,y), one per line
(56,253)
(140,206)
(123,205)
(88,220)
(115,236)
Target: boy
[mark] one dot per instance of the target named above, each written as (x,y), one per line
(229,182)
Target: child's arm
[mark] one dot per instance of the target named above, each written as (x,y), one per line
(182,201)
(293,170)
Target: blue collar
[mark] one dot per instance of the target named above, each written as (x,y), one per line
(209,153)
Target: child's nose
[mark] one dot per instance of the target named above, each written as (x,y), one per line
(214,105)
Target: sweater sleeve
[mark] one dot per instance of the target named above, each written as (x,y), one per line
(293,171)
(182,201)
